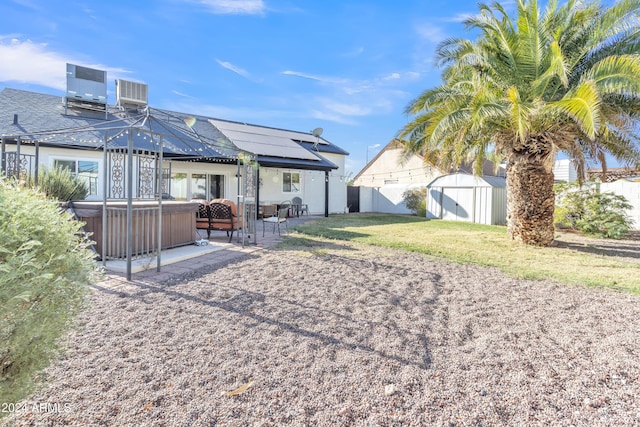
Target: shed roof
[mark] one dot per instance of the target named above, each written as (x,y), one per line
(467,180)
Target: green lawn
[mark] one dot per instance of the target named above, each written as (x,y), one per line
(477,244)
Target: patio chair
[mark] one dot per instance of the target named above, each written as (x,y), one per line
(283,213)
(299,207)
(222,218)
(268,210)
(203,218)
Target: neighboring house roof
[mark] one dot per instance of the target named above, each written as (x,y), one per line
(488,167)
(393,144)
(32,116)
(612,174)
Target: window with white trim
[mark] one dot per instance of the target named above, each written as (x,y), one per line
(85,170)
(207,187)
(290,182)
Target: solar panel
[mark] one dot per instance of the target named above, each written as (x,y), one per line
(265,141)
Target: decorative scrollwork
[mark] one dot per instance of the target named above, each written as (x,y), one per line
(146,176)
(117,175)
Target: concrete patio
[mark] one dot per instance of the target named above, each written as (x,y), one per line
(183,260)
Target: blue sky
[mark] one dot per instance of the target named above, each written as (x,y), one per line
(347,66)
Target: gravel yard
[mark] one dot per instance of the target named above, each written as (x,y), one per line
(345,335)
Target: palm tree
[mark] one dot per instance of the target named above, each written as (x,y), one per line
(564,80)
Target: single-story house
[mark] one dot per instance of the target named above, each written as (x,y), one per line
(200,153)
(133,156)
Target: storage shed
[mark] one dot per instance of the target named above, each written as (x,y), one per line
(470,198)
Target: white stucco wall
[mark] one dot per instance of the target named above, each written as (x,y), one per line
(564,170)
(386,169)
(312,183)
(384,181)
(47,157)
(630,189)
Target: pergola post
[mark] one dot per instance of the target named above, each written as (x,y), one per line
(105,184)
(159,175)
(36,161)
(129,175)
(3,159)
(326,193)
(17,159)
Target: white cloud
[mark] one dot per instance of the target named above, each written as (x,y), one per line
(234,7)
(345,100)
(239,71)
(242,114)
(431,33)
(27,62)
(184,95)
(346,109)
(28,4)
(460,17)
(333,117)
(33,63)
(357,51)
(322,79)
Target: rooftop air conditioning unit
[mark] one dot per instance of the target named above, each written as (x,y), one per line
(86,84)
(131,93)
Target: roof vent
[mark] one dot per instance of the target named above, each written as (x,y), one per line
(131,93)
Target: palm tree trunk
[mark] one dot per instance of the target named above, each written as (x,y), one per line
(530,200)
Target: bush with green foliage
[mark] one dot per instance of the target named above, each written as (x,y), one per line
(59,184)
(591,212)
(45,267)
(416,201)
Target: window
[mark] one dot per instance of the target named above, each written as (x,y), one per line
(178,185)
(207,187)
(290,182)
(85,170)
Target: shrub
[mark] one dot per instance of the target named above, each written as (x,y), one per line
(592,212)
(416,201)
(45,266)
(60,184)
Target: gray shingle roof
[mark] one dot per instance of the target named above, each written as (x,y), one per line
(45,118)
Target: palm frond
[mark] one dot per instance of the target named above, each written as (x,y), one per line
(583,105)
(617,74)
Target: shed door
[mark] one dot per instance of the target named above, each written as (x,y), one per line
(457,204)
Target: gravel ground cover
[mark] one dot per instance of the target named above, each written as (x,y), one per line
(336,334)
